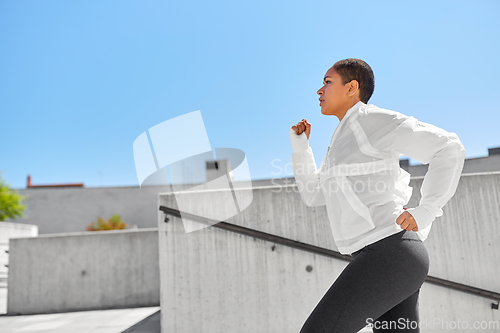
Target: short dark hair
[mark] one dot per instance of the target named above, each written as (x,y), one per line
(356,69)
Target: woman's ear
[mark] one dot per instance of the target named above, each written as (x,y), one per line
(353,87)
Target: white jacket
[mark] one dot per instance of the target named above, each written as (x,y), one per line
(360,180)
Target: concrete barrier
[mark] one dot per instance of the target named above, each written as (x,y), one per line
(89,270)
(10,230)
(216,280)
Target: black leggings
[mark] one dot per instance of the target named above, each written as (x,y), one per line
(379,287)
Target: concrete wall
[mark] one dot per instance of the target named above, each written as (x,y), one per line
(10,230)
(71,209)
(464,243)
(214,280)
(61,210)
(83,271)
(490,163)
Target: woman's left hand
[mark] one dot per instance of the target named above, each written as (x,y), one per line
(406,221)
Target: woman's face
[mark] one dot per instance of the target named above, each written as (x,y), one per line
(334,96)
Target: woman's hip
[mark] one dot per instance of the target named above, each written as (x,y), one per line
(401,251)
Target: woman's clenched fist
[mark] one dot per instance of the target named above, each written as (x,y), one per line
(302,126)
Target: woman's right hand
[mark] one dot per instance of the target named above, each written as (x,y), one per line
(302,126)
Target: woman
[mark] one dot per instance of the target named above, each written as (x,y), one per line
(364,190)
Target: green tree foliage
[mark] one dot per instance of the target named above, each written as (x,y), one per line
(115,222)
(10,202)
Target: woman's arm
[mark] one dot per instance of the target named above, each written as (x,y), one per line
(305,172)
(428,144)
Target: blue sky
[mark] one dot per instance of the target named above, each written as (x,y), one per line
(80,81)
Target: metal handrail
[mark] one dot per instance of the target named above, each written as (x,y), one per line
(314,249)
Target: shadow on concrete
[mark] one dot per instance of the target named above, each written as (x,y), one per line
(150,324)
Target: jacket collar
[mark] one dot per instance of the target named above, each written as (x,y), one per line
(353,109)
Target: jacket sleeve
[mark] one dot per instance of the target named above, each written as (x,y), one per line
(305,172)
(428,144)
